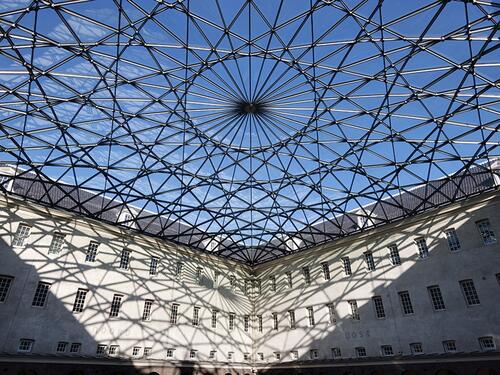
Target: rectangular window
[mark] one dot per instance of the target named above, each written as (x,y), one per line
(487,343)
(22,233)
(294,354)
(246,356)
(101,350)
(5,283)
(378,305)
(230,356)
(326,270)
(470,293)
(231,321)
(336,353)
(91,254)
(275,321)
(148,351)
(313,354)
(232,282)
(310,316)
(259,322)
(289,279)
(146,312)
(307,275)
(394,255)
(258,286)
(125,259)
(370,263)
(170,353)
(422,249)
(453,241)
(260,356)
(246,323)
(213,354)
(247,287)
(75,347)
(291,318)
(56,243)
(79,303)
(354,310)
(25,345)
(406,306)
(331,313)
(61,346)
(436,297)
(386,350)
(116,304)
(153,266)
(277,356)
(136,351)
(346,264)
(41,294)
(360,352)
(196,316)
(199,274)
(449,346)
(416,348)
(214,318)
(486,232)
(178,270)
(174,312)
(272,280)
(192,354)
(114,350)
(216,278)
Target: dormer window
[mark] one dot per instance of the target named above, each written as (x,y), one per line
(365,219)
(212,244)
(293,243)
(127,217)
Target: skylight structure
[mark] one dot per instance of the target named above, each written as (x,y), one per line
(246,125)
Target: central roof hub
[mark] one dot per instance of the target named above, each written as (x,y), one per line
(249,108)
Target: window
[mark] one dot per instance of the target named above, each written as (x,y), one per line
(326,270)
(422,249)
(336,353)
(277,356)
(247,286)
(370,263)
(213,354)
(230,356)
(246,323)
(289,279)
(22,233)
(436,298)
(487,343)
(170,353)
(346,264)
(101,350)
(178,270)
(25,345)
(331,313)
(259,322)
(453,241)
(91,253)
(496,275)
(378,305)
(469,291)
(260,356)
(115,305)
(394,255)
(313,354)
(148,351)
(354,310)
(486,232)
(246,356)
(5,283)
(136,351)
(291,317)
(114,350)
(196,316)
(61,346)
(75,347)
(416,348)
(41,293)
(174,312)
(294,354)
(386,350)
(214,318)
(192,354)
(57,243)
(272,280)
(310,316)
(216,278)
(153,266)
(79,303)
(146,313)
(275,321)
(406,306)
(199,274)
(449,346)
(258,286)
(125,259)
(231,321)
(360,352)
(232,282)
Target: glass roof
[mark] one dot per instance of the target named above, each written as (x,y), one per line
(250,129)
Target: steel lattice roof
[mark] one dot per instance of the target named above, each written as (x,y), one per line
(250,129)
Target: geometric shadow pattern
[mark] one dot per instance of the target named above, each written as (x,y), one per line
(249,129)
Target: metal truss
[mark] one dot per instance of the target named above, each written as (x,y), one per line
(250,129)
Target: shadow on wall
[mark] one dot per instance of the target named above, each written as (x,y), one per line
(425,325)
